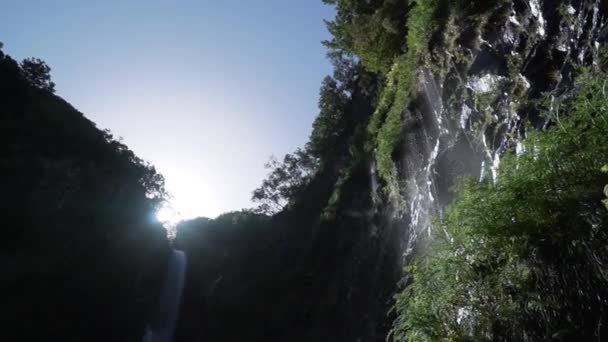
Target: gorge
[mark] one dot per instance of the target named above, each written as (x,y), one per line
(451,190)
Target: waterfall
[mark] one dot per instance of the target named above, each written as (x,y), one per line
(422,150)
(472,114)
(162,326)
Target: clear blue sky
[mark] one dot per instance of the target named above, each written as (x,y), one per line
(205,90)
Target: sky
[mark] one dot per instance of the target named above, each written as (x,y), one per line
(205,90)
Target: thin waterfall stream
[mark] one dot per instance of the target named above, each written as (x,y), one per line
(162,326)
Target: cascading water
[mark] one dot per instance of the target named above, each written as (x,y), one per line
(488,116)
(162,326)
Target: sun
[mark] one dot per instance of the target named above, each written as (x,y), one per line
(167,215)
(189,198)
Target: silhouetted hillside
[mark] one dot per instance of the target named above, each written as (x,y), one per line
(82,254)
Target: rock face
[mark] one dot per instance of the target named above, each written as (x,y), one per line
(478,95)
(476,98)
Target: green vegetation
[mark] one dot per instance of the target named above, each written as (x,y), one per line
(523,258)
(336,137)
(331,208)
(328,126)
(374,31)
(519,259)
(288,178)
(278,256)
(285,180)
(375,34)
(385,124)
(318,259)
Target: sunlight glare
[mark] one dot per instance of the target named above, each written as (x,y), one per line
(189,199)
(167,215)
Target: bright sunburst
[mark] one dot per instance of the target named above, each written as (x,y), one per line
(167,215)
(189,198)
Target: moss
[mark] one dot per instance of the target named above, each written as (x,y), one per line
(385,124)
(446,46)
(514,65)
(359,157)
(483,101)
(329,213)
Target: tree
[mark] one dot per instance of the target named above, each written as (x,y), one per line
(327,127)
(38,73)
(373,30)
(328,139)
(284,181)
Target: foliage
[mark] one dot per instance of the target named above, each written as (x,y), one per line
(523,258)
(328,125)
(385,124)
(331,131)
(374,31)
(285,180)
(330,210)
(38,73)
(311,194)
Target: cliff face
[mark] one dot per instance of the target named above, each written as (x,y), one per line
(492,74)
(82,258)
(477,92)
(475,79)
(489,74)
